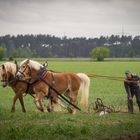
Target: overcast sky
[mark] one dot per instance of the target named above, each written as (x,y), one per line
(73,18)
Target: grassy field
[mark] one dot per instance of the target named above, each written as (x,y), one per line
(39,126)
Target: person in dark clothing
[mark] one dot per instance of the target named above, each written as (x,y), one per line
(132,88)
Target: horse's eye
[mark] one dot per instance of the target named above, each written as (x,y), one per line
(23,67)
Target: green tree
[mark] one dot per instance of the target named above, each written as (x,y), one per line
(2,52)
(100,53)
(23,53)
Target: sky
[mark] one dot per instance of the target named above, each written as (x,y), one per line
(71,18)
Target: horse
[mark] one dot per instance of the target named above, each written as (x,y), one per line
(8,72)
(66,83)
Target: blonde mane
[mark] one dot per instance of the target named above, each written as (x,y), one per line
(9,67)
(33,64)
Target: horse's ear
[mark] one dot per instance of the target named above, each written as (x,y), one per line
(3,67)
(45,64)
(16,62)
(28,60)
(16,65)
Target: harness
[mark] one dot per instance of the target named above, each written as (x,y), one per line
(43,73)
(52,84)
(27,89)
(42,78)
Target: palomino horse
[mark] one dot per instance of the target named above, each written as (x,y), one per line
(7,75)
(65,83)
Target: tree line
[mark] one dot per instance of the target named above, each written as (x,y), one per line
(51,46)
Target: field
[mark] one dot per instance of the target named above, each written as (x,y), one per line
(39,126)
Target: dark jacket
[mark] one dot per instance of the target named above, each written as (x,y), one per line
(133,85)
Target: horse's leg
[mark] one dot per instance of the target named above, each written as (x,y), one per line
(49,106)
(38,99)
(13,105)
(17,94)
(53,102)
(73,100)
(22,103)
(56,104)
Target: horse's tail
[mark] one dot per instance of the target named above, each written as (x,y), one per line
(84,88)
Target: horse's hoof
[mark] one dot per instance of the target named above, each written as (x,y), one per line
(41,110)
(24,111)
(74,112)
(50,110)
(70,110)
(12,111)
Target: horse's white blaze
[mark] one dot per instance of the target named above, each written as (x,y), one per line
(84,88)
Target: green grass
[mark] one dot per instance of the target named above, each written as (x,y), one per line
(40,126)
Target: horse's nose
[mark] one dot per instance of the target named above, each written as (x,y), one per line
(19,76)
(4,85)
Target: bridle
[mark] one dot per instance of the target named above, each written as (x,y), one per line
(22,72)
(8,82)
(5,79)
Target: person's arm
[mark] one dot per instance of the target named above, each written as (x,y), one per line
(137,78)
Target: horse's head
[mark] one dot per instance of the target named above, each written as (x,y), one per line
(28,69)
(4,76)
(24,70)
(7,73)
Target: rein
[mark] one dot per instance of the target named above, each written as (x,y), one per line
(111,78)
(22,72)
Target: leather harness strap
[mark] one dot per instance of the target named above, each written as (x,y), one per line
(41,76)
(52,84)
(27,89)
